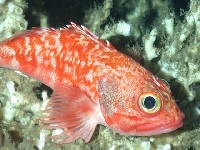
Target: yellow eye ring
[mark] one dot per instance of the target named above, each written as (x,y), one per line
(149,103)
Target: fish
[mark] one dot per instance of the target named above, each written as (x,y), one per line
(92,82)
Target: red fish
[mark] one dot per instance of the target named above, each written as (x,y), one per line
(93,84)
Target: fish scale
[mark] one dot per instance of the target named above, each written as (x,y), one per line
(92,84)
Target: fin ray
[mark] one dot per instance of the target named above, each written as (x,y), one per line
(73,111)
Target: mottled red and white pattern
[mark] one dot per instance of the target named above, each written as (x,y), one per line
(93,83)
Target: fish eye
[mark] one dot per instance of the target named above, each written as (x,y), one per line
(149,103)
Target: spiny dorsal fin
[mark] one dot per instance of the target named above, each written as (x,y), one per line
(85,31)
(72,27)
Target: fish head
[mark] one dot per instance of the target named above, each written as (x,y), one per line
(157,110)
(139,107)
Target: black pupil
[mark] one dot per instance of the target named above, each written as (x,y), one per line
(149,102)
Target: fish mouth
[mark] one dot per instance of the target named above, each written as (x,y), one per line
(152,129)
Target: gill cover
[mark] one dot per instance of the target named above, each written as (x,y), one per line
(114,105)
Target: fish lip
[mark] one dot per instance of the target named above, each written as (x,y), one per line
(161,128)
(173,126)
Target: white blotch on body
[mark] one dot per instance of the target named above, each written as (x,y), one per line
(39,59)
(15,63)
(46,62)
(81,40)
(46,44)
(89,63)
(47,52)
(64,80)
(78,62)
(89,76)
(61,55)
(68,57)
(53,62)
(38,49)
(42,38)
(59,48)
(53,77)
(20,47)
(52,54)
(27,46)
(82,64)
(29,58)
(67,69)
(8,51)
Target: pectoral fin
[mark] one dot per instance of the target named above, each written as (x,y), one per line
(70,109)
